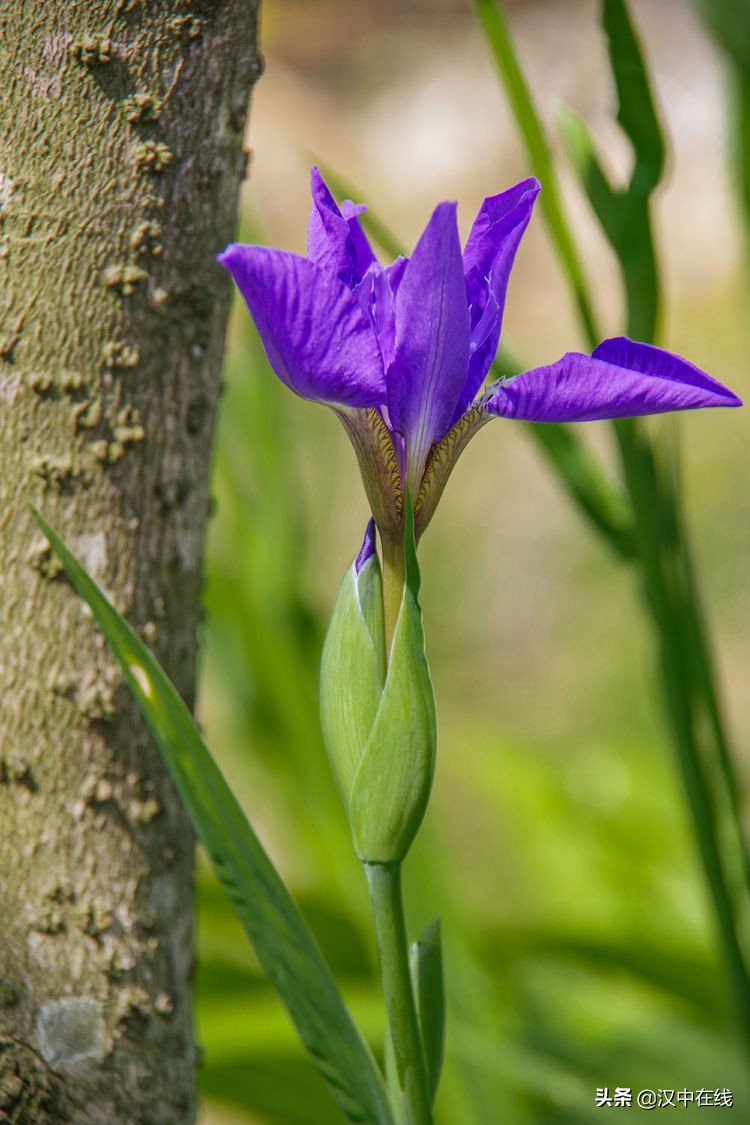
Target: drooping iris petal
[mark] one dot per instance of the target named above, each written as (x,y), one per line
(488,259)
(336,242)
(428,370)
(655,361)
(317,338)
(620,380)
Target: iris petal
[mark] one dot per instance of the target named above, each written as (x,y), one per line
(335,241)
(620,380)
(430,358)
(317,339)
(488,259)
(362,253)
(662,364)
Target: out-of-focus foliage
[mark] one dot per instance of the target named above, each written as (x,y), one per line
(579,945)
(729,23)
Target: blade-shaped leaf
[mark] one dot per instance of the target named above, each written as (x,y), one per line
(728,22)
(637,116)
(494,24)
(579,145)
(283,943)
(742,130)
(625,219)
(581,474)
(607,507)
(426,964)
(636,113)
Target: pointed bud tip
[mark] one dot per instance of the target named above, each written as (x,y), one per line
(368,548)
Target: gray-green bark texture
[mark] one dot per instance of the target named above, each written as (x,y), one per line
(121,127)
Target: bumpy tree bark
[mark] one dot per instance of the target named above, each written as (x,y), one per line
(121,125)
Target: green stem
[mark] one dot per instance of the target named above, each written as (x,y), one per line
(390,931)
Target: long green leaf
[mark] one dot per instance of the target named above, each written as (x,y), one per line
(579,469)
(284,945)
(662,550)
(637,117)
(579,145)
(606,506)
(624,215)
(742,130)
(495,26)
(729,22)
(426,966)
(625,219)
(636,113)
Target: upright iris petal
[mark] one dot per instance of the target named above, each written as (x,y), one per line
(335,241)
(427,374)
(488,259)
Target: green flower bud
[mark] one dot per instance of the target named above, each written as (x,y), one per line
(379,726)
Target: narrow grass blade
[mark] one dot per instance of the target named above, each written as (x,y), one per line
(637,117)
(728,21)
(691,702)
(662,550)
(426,964)
(624,214)
(636,114)
(625,219)
(579,146)
(283,944)
(579,470)
(606,507)
(495,27)
(742,128)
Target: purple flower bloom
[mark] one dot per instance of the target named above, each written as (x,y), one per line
(400,352)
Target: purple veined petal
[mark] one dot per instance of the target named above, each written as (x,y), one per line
(336,242)
(316,337)
(488,259)
(430,359)
(581,388)
(483,333)
(651,360)
(363,256)
(384,285)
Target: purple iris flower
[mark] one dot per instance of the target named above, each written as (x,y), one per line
(401,352)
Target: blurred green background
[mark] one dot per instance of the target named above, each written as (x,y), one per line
(579,942)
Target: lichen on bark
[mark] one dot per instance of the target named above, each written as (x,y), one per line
(121,155)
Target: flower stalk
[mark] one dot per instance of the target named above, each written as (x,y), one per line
(384,881)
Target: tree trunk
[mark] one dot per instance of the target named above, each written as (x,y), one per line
(121,156)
